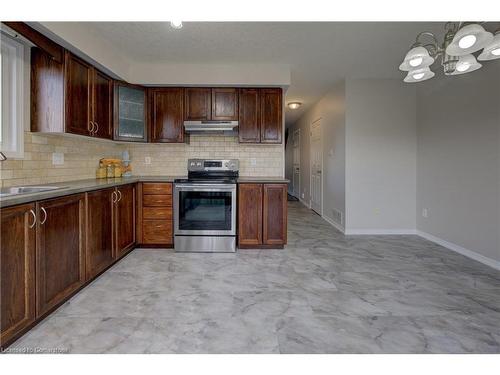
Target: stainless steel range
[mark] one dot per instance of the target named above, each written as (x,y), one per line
(205,207)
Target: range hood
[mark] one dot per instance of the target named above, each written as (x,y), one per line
(210,126)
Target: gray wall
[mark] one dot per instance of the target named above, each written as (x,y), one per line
(380,156)
(458,173)
(331,109)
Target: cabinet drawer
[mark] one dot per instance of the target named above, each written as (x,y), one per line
(157,231)
(156,188)
(154,213)
(160,200)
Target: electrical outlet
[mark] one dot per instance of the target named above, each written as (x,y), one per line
(57,158)
(147,160)
(302,195)
(253,162)
(425,212)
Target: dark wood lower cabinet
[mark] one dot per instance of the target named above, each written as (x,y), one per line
(250,214)
(17,267)
(274,214)
(125,220)
(60,250)
(262,215)
(100,224)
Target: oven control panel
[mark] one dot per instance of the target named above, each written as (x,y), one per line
(195,165)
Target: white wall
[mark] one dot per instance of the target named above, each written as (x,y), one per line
(458,170)
(380,156)
(331,110)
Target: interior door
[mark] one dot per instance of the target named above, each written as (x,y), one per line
(296,163)
(316,167)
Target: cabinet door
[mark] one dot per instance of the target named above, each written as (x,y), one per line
(125,219)
(78,78)
(225,104)
(250,214)
(17,265)
(166,115)
(130,113)
(271,126)
(102,105)
(249,121)
(197,104)
(99,249)
(60,248)
(275,214)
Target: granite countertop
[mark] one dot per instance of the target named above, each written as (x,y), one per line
(82,186)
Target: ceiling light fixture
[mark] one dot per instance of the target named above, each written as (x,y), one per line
(492,50)
(460,42)
(176,24)
(294,105)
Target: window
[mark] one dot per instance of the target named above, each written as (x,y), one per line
(12,97)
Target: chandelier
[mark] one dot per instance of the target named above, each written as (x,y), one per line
(461,41)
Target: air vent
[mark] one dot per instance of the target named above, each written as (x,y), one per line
(337,216)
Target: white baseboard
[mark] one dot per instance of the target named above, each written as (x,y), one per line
(461,250)
(375,232)
(334,224)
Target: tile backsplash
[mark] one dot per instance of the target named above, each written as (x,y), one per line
(82,154)
(255,160)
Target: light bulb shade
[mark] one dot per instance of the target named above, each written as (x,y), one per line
(419,75)
(492,50)
(416,58)
(466,64)
(469,39)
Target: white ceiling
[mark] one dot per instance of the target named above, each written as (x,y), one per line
(319,54)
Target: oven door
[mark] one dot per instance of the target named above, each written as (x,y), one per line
(205,210)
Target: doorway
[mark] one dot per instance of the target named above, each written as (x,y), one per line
(296,164)
(316,167)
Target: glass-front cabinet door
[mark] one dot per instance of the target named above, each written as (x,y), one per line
(130,113)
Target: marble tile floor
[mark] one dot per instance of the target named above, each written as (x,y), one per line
(324,293)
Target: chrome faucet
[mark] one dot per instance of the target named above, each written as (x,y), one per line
(2,156)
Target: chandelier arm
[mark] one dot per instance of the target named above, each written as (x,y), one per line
(428,34)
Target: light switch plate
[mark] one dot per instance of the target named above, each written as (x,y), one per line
(147,160)
(57,158)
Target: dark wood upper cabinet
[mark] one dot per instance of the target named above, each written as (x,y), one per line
(17,270)
(166,111)
(125,219)
(249,214)
(197,104)
(130,113)
(72,97)
(249,119)
(271,124)
(225,104)
(275,214)
(78,95)
(102,105)
(60,250)
(100,223)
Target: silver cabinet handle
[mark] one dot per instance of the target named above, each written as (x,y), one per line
(44,216)
(34,218)
(89,127)
(119,199)
(97,127)
(114,197)
(92,127)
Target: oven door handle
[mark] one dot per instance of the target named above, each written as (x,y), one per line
(204,187)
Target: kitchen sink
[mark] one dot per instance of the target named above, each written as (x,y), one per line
(17,190)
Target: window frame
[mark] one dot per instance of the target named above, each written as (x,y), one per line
(12,105)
